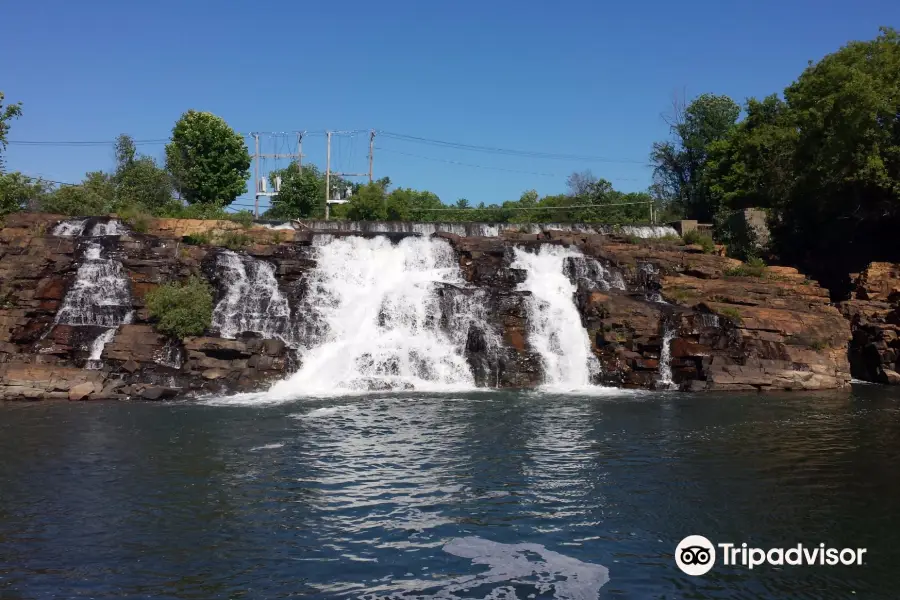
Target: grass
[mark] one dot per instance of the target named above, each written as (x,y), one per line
(181,309)
(681,295)
(755,267)
(233,240)
(701,239)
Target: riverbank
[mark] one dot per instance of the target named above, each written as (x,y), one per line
(569,309)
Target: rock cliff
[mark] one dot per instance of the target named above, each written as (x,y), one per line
(658,314)
(874,315)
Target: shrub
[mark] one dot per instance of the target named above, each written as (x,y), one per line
(233,240)
(701,239)
(244,217)
(136,216)
(755,267)
(182,309)
(198,239)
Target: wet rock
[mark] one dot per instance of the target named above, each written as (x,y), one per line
(158,393)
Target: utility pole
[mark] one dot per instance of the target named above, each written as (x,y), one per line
(328,177)
(371,152)
(328,172)
(300,152)
(256,177)
(259,181)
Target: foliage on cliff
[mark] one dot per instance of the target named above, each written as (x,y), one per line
(182,309)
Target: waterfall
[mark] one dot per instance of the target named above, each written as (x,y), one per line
(252,300)
(648,231)
(76,228)
(99,297)
(555,328)
(70,228)
(111,227)
(665,358)
(376,320)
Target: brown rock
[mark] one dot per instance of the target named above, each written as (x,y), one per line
(131,366)
(50,288)
(211,374)
(81,391)
(892,377)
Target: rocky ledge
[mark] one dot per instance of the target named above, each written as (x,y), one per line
(658,314)
(874,315)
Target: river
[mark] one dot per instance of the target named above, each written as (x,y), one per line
(477,495)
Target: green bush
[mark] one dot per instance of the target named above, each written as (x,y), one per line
(182,309)
(755,267)
(198,239)
(135,215)
(233,240)
(701,239)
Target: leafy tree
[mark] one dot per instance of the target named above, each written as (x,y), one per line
(208,161)
(138,179)
(679,165)
(368,203)
(825,161)
(301,193)
(7,114)
(96,195)
(18,192)
(462,203)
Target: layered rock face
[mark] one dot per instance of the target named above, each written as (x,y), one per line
(874,315)
(652,314)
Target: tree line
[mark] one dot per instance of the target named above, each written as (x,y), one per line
(822,158)
(207,165)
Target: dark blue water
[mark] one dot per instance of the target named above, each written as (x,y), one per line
(477,496)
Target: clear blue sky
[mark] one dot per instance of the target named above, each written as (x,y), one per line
(573,77)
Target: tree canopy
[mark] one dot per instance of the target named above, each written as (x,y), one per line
(208,161)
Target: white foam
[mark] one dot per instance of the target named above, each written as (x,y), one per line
(374,321)
(510,567)
(555,330)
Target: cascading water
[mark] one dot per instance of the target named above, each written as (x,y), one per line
(252,300)
(70,228)
(377,315)
(665,358)
(77,227)
(555,328)
(111,227)
(99,297)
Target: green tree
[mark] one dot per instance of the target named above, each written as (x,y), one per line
(679,165)
(96,195)
(825,161)
(138,179)
(208,161)
(7,114)
(18,192)
(302,194)
(367,203)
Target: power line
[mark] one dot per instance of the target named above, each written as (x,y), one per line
(462,164)
(507,151)
(454,162)
(79,143)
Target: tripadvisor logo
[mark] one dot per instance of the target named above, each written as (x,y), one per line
(696,555)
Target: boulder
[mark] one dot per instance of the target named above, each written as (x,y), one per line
(81,391)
